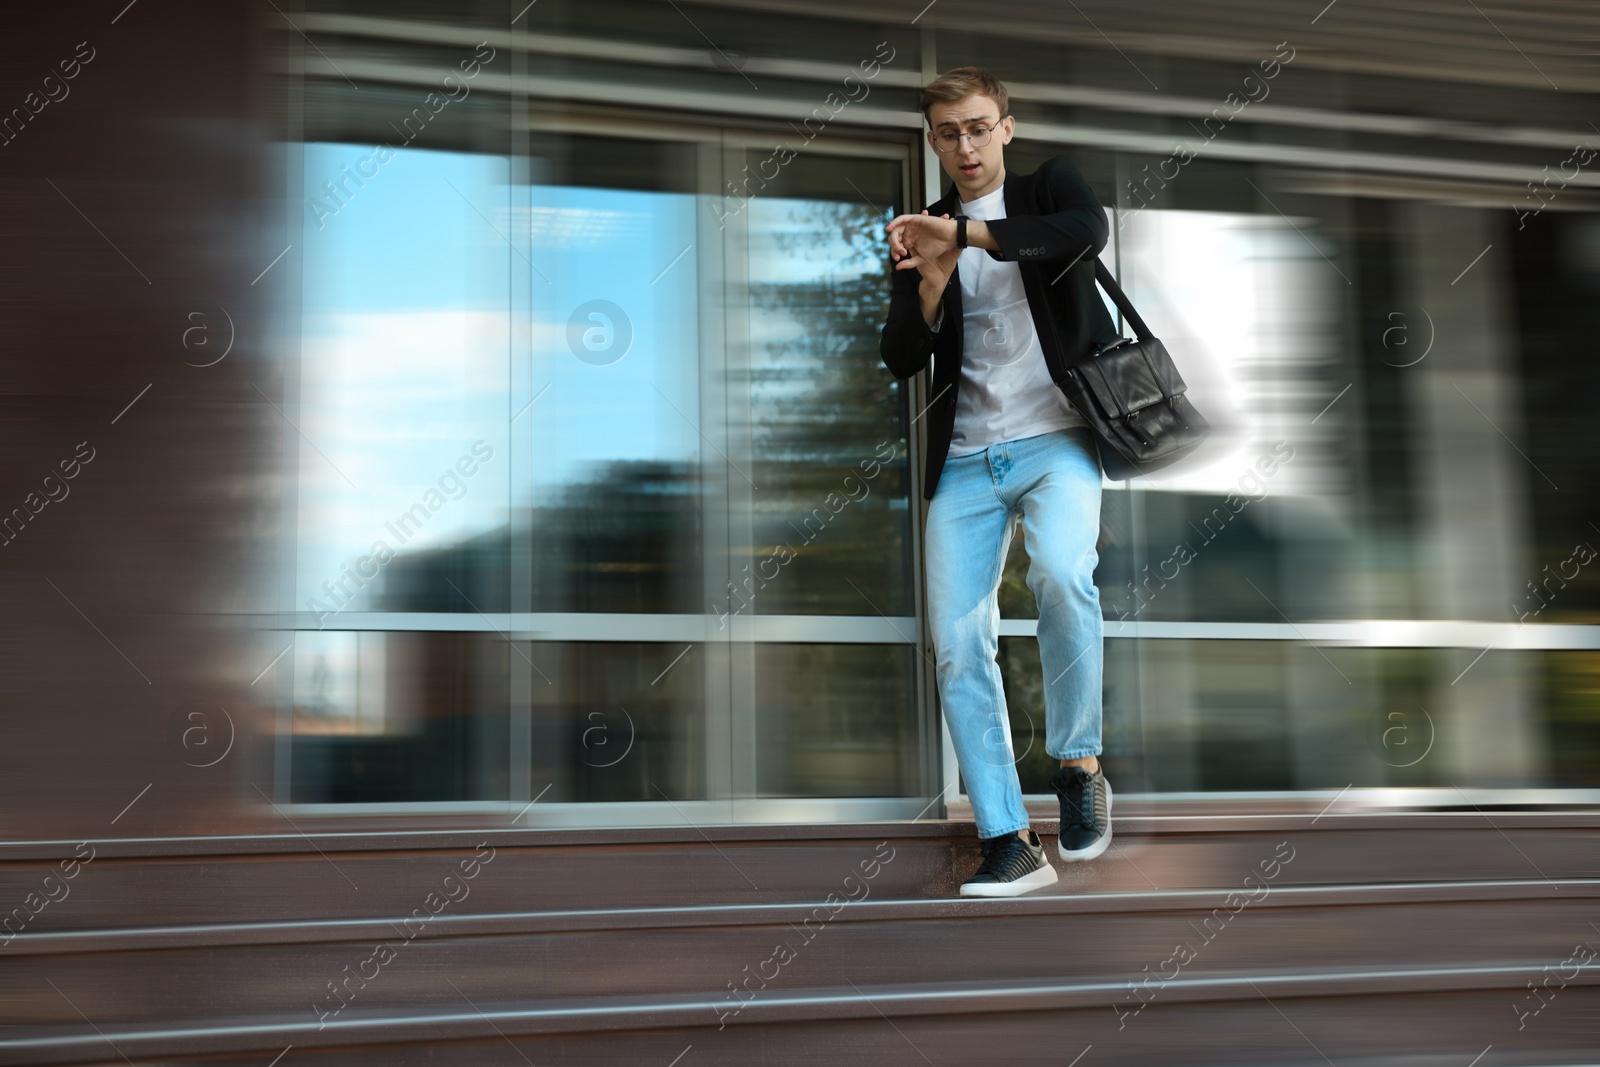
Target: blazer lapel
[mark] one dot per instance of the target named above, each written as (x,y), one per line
(1013,196)
(950,204)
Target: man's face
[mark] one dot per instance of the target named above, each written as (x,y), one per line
(976,171)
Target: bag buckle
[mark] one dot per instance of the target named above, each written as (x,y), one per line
(1172,402)
(1129,419)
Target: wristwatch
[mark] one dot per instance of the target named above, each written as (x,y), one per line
(961,231)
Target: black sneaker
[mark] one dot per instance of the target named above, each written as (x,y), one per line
(1085,812)
(1011,867)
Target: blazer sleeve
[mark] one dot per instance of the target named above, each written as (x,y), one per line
(906,341)
(1072,224)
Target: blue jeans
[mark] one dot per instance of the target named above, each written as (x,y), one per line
(1052,483)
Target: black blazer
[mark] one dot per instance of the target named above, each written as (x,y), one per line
(1054,229)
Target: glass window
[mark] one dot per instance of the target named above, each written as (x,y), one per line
(618,430)
(400,414)
(831,503)
(601,489)
(608,469)
(837,721)
(617,721)
(383,718)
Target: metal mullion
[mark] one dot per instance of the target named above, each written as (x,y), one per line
(715,475)
(931,174)
(893,629)
(290,329)
(943,771)
(930,728)
(519,434)
(734,374)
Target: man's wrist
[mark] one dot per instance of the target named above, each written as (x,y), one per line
(979,236)
(928,293)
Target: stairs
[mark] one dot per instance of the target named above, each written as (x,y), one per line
(1365,938)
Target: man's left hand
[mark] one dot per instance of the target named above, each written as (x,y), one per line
(918,239)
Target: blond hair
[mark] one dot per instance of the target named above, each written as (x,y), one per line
(958,83)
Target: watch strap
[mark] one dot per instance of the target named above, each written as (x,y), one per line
(961,231)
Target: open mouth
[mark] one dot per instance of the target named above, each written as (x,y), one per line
(969,169)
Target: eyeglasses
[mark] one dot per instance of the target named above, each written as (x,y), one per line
(949,142)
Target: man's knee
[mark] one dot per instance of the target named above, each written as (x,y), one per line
(965,636)
(1058,578)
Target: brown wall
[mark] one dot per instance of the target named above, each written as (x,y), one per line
(131,210)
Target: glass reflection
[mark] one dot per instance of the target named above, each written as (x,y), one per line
(836,720)
(401,407)
(1245,304)
(832,515)
(398,717)
(615,414)
(618,721)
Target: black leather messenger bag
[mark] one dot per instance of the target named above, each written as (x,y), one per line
(1132,397)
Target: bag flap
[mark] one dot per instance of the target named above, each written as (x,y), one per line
(1124,378)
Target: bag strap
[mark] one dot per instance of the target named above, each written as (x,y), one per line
(1119,298)
(1165,374)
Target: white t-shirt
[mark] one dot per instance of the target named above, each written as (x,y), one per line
(1006,393)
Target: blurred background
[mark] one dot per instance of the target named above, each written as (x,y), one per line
(430,416)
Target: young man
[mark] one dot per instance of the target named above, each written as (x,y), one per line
(997,286)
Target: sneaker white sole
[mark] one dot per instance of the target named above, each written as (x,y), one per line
(1099,846)
(1044,876)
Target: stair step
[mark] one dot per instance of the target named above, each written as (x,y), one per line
(609,948)
(362,875)
(1350,1011)
(728,954)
